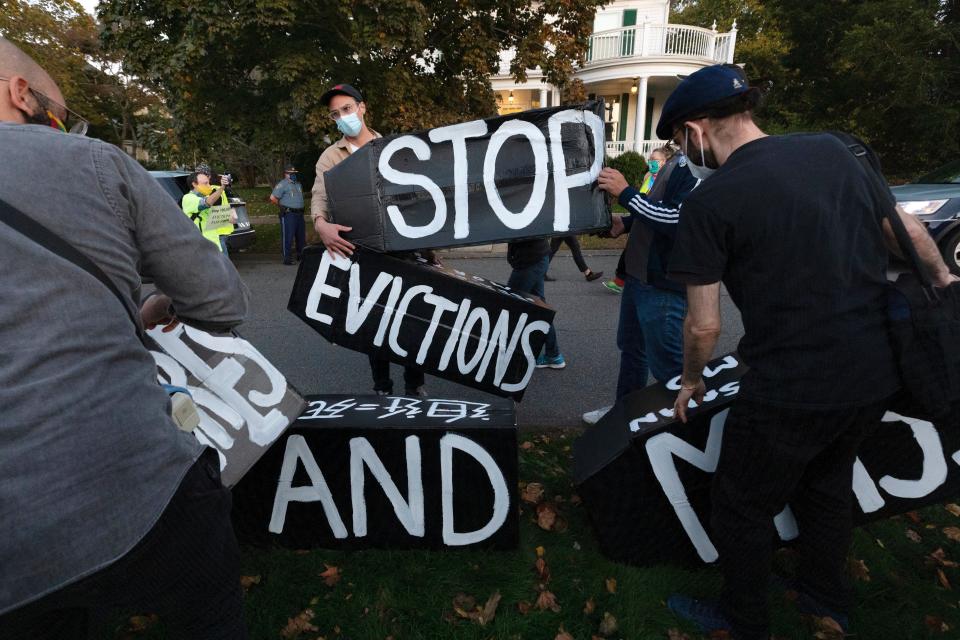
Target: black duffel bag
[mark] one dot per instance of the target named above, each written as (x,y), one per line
(924,319)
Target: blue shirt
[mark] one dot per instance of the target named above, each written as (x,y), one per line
(289,193)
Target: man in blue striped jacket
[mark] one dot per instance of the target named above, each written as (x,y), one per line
(652,307)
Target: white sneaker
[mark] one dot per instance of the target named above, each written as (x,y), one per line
(593,417)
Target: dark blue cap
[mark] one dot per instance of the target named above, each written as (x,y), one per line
(698,90)
(340,90)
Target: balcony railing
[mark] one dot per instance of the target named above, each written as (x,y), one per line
(662,40)
(613,148)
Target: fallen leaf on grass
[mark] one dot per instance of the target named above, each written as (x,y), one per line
(952,508)
(540,551)
(137,624)
(248,581)
(939,557)
(575,499)
(936,624)
(859,570)
(719,634)
(465,607)
(546,600)
(676,634)
(524,607)
(548,519)
(589,606)
(914,536)
(608,626)
(299,624)
(942,577)
(913,516)
(331,576)
(543,571)
(952,532)
(827,628)
(611,585)
(563,635)
(532,493)
(526,446)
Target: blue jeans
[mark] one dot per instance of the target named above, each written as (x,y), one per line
(292,228)
(650,335)
(530,280)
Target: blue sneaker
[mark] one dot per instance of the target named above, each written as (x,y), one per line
(705,614)
(557,362)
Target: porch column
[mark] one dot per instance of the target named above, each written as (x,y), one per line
(641,116)
(543,98)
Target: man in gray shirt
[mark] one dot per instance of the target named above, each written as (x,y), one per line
(103,501)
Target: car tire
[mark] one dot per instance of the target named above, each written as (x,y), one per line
(950,250)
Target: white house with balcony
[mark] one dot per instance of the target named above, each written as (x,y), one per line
(635,59)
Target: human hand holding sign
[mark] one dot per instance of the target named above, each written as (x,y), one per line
(330,237)
(157,309)
(612,181)
(693,392)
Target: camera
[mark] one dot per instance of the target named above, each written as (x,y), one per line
(228,177)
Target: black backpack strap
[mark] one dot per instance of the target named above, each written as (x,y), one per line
(27,226)
(860,152)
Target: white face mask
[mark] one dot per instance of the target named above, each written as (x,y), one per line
(699,171)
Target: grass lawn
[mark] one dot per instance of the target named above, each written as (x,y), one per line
(901,569)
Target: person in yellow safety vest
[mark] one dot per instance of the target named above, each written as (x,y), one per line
(209,209)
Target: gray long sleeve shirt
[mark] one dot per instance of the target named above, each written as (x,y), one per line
(89,457)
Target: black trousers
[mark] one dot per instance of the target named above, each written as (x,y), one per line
(772,457)
(186,570)
(380,368)
(574,245)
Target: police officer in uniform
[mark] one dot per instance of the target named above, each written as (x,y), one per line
(288,195)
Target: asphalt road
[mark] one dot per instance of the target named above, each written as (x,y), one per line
(586,324)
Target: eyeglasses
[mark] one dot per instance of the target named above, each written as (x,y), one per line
(336,114)
(71,122)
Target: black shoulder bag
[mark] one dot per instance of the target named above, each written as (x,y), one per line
(924,320)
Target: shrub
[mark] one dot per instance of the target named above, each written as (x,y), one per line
(631,164)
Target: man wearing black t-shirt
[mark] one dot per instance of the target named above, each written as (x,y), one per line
(806,266)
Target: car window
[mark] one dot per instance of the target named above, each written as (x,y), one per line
(947,174)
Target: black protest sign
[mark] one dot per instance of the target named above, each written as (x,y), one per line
(645,477)
(243,401)
(524,175)
(391,472)
(448,323)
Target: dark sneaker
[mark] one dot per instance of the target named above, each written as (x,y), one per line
(593,275)
(548,278)
(289,263)
(705,614)
(381,393)
(419,392)
(556,362)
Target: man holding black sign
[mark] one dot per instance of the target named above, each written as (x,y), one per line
(348,109)
(807,269)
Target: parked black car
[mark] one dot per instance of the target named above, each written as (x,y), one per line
(175,183)
(935,200)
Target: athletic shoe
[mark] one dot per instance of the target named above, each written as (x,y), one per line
(593,417)
(381,393)
(556,362)
(548,278)
(704,613)
(594,275)
(419,392)
(612,286)
(289,263)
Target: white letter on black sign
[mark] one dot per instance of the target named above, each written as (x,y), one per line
(537,325)
(320,287)
(458,134)
(562,183)
(297,449)
(410,513)
(501,497)
(540,158)
(422,151)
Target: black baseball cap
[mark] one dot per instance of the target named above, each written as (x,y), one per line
(290,169)
(698,90)
(340,90)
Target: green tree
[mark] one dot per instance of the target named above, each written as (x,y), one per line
(250,73)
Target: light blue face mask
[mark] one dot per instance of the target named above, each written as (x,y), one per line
(350,125)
